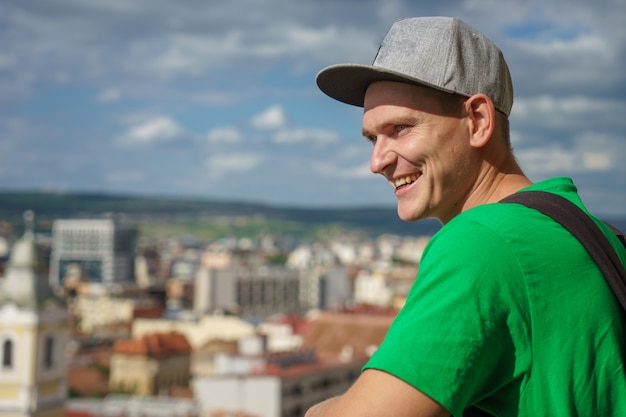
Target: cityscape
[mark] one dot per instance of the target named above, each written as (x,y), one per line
(99,319)
(123,292)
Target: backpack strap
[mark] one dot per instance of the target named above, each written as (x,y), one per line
(579,224)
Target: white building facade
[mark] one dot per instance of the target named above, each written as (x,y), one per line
(99,251)
(34,331)
(287,394)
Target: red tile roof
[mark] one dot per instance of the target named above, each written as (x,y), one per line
(87,382)
(330,333)
(155,344)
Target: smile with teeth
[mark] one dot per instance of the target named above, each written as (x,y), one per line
(400,182)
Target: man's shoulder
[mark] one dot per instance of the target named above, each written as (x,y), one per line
(510,218)
(494,217)
(497,224)
(489,226)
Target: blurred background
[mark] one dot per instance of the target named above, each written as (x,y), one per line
(217,99)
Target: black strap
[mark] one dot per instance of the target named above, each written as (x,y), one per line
(579,224)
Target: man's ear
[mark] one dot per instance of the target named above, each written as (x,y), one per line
(482,117)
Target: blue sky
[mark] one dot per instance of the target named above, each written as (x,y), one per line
(217,99)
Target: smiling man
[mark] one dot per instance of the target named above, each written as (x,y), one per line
(509,314)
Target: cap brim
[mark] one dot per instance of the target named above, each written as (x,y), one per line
(348,82)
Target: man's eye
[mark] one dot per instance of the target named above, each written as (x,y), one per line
(400,128)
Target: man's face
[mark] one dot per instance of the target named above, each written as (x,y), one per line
(424,154)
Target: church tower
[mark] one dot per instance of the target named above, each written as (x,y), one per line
(34,331)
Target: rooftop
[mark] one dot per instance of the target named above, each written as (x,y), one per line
(154,344)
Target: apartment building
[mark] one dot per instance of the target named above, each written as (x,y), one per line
(280,391)
(250,292)
(98,251)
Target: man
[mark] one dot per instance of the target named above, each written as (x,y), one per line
(508,312)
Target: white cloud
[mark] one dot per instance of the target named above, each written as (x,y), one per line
(360,150)
(546,160)
(202,51)
(596,161)
(272,118)
(314,136)
(570,112)
(175,56)
(111,94)
(601,151)
(559,161)
(156,129)
(225,134)
(591,45)
(223,165)
(8,62)
(334,169)
(572,105)
(211,63)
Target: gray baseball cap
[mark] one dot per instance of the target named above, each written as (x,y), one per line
(439,52)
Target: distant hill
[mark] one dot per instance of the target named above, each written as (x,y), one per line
(49,206)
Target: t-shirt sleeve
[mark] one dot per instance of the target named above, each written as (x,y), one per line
(458,335)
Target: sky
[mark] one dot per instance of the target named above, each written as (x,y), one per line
(217,99)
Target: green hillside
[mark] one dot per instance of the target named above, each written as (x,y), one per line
(205,218)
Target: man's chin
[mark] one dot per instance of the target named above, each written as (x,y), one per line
(409,217)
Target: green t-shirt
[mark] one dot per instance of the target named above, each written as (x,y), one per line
(509,312)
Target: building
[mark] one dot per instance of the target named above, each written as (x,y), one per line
(150,365)
(334,288)
(99,314)
(287,383)
(207,335)
(34,332)
(99,251)
(199,331)
(132,406)
(281,391)
(258,291)
(372,289)
(179,295)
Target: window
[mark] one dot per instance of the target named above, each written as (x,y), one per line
(7,354)
(49,352)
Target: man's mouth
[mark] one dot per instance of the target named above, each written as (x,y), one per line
(403,181)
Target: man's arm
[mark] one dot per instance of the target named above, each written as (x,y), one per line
(376,394)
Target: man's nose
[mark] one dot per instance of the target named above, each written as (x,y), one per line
(381,157)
